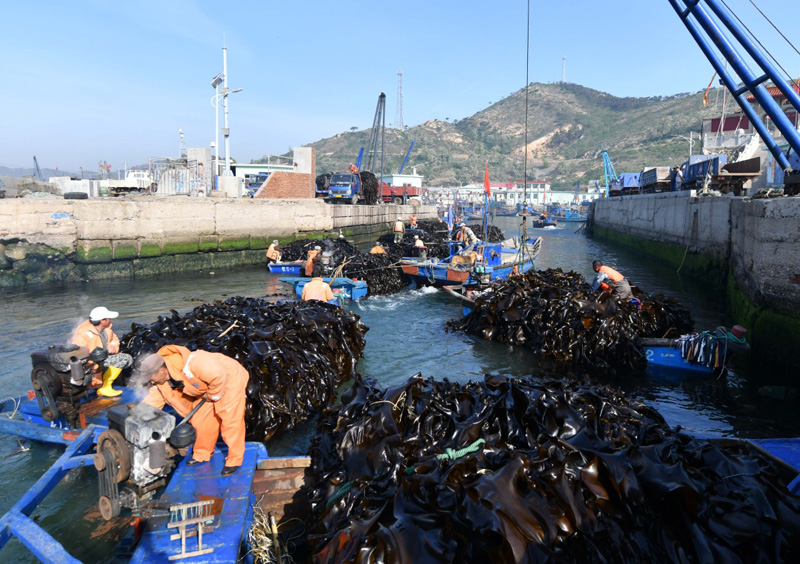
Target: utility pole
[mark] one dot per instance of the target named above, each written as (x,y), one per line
(226,131)
(398,119)
(563,70)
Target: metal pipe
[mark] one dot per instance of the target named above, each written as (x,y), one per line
(227,132)
(726,77)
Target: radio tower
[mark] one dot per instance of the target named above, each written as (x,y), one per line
(398,118)
(563,70)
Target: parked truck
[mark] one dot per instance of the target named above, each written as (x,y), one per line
(716,173)
(655,179)
(135,182)
(398,194)
(344,187)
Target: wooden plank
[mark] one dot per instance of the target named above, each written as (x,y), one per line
(294,462)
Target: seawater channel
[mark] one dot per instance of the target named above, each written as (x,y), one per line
(406,335)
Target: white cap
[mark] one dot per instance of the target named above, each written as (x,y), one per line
(275,242)
(416,236)
(398,218)
(101,313)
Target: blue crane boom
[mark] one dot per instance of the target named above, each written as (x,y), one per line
(706,31)
(405,160)
(608,169)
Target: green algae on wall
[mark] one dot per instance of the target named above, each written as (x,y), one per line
(94,255)
(183,248)
(710,271)
(774,336)
(150,250)
(234,244)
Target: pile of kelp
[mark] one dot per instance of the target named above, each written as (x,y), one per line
(338,249)
(369,188)
(520,470)
(435,236)
(297,353)
(554,314)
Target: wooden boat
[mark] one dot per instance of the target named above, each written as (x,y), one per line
(295,267)
(495,262)
(347,287)
(666,354)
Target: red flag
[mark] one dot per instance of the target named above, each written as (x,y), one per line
(486,182)
(705,94)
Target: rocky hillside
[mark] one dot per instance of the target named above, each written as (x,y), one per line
(566,124)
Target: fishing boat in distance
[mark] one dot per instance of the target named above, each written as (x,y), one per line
(489,262)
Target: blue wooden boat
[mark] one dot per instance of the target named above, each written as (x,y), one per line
(495,263)
(545,221)
(295,267)
(347,287)
(225,503)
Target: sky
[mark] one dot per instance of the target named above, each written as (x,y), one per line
(88,80)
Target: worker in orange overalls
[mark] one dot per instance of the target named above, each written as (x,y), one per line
(274,253)
(317,289)
(377,249)
(399,229)
(312,254)
(608,278)
(412,221)
(96,332)
(218,378)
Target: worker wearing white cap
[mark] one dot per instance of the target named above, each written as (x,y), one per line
(96,332)
(399,228)
(273,253)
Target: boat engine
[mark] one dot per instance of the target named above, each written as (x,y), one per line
(134,450)
(60,376)
(326,263)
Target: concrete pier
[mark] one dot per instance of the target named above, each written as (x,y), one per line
(53,240)
(745,248)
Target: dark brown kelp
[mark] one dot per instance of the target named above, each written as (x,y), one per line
(297,353)
(509,470)
(554,314)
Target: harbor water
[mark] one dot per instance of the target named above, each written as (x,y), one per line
(406,335)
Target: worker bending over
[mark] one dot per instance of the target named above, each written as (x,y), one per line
(274,253)
(399,229)
(419,246)
(96,332)
(467,237)
(180,377)
(412,219)
(377,249)
(313,256)
(317,289)
(607,277)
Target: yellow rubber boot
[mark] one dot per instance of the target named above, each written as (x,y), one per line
(109,376)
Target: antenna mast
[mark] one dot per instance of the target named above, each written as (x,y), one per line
(563,70)
(398,118)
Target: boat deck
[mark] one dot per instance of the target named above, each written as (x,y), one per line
(230,512)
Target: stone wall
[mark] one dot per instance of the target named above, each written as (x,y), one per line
(53,240)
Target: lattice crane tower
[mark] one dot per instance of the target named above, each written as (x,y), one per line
(398,118)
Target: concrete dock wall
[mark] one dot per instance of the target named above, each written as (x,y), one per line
(50,240)
(746,248)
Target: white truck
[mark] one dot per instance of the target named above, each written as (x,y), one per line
(135,182)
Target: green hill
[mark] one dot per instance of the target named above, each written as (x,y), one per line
(566,124)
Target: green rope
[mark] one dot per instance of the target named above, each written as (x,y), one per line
(451,454)
(735,339)
(339,494)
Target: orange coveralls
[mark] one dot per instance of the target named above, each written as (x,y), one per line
(87,335)
(317,289)
(273,253)
(312,254)
(377,250)
(223,381)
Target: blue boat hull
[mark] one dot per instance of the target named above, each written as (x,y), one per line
(347,287)
(295,268)
(670,357)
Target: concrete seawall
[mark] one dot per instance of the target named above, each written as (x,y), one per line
(53,240)
(745,248)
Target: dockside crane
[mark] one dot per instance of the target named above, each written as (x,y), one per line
(608,169)
(405,160)
(37,172)
(726,32)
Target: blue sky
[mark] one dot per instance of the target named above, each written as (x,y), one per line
(87,81)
